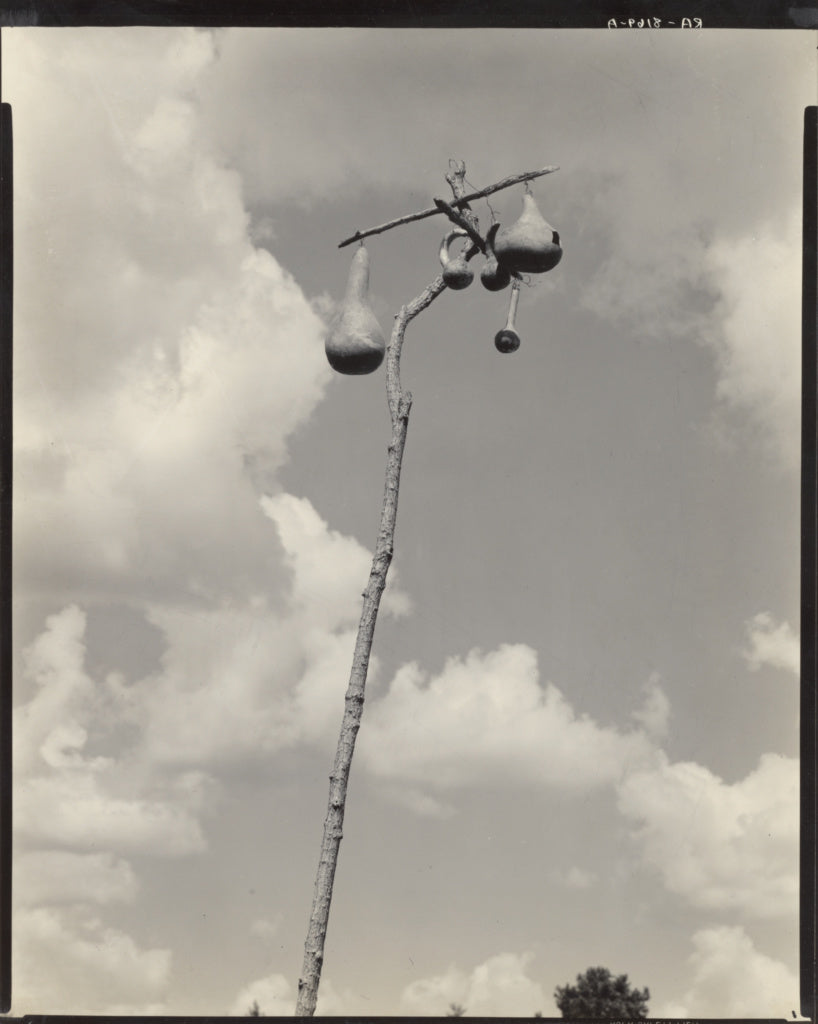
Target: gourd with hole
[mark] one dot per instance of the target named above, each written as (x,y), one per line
(456,272)
(355,343)
(508,340)
(530,245)
(493,276)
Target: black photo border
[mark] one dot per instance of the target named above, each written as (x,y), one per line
(754,15)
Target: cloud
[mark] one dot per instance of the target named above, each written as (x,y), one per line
(498,987)
(273,994)
(235,683)
(48,727)
(66,796)
(317,148)
(79,811)
(276,998)
(731,978)
(157,502)
(487,717)
(771,643)
(261,676)
(59,876)
(93,965)
(329,569)
(229,684)
(69,795)
(719,846)
(737,293)
(647,210)
(146,308)
(757,339)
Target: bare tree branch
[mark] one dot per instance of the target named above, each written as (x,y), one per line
(457,218)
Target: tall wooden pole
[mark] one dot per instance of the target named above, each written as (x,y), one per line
(400,403)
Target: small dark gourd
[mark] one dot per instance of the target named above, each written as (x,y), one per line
(355,343)
(456,272)
(530,244)
(493,276)
(508,340)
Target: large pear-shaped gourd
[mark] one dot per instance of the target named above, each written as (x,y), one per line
(530,244)
(355,343)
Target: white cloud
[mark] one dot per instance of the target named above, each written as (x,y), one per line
(89,966)
(255,677)
(758,339)
(79,811)
(619,91)
(273,994)
(487,717)
(167,497)
(226,685)
(329,569)
(738,294)
(179,339)
(68,795)
(772,643)
(276,998)
(731,978)
(48,727)
(59,876)
(500,986)
(175,332)
(718,845)
(65,795)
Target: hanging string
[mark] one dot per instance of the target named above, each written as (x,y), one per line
(485,200)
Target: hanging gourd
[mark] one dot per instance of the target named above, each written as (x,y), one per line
(508,340)
(355,343)
(530,245)
(493,276)
(456,272)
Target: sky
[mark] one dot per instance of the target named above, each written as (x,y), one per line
(580,740)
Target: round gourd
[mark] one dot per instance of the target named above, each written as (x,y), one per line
(456,272)
(493,276)
(506,341)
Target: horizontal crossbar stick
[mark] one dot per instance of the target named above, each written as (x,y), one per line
(515,179)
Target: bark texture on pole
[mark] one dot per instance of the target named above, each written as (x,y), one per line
(400,402)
